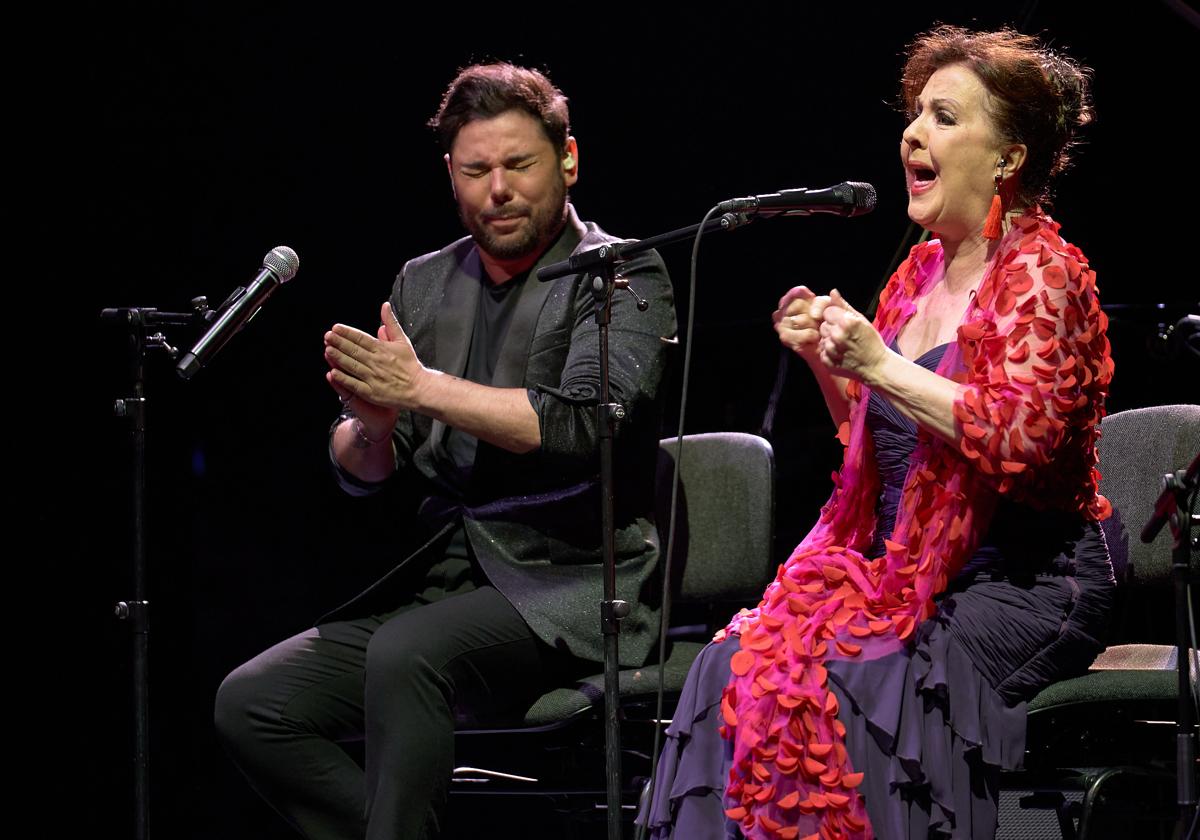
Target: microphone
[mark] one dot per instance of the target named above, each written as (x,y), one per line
(279,266)
(849,198)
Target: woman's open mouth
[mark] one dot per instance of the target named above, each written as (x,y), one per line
(921,178)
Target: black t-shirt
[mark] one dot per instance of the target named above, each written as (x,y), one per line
(497,303)
(454,572)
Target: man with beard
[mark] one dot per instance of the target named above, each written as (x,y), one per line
(481,385)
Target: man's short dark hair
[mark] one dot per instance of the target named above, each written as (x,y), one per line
(484,91)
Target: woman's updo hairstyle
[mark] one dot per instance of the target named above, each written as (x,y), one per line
(1036,97)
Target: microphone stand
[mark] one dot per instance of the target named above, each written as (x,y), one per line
(602,264)
(1172,508)
(143,326)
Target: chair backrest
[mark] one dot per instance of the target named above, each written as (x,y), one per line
(1137,448)
(724,539)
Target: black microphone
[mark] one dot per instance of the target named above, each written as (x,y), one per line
(279,266)
(849,198)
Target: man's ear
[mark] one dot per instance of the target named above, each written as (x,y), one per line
(570,161)
(450,172)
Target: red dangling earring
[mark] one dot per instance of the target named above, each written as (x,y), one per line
(991,227)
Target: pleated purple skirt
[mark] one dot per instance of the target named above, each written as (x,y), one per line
(930,726)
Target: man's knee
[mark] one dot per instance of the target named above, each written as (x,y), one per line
(406,668)
(401,651)
(232,709)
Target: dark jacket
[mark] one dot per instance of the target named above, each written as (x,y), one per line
(533,520)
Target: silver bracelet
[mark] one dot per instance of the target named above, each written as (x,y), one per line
(361,440)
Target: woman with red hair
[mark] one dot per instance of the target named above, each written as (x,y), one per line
(880,685)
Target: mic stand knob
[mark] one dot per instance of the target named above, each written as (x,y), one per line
(622,283)
(158,341)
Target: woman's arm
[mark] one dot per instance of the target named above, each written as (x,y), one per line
(1036,361)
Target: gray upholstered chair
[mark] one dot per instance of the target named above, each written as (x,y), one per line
(1100,753)
(723,557)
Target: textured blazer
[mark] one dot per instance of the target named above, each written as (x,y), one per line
(533,520)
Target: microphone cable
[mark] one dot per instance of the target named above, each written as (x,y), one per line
(665,615)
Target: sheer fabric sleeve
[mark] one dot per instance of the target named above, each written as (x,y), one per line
(1036,365)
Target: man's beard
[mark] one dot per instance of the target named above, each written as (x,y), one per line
(541,225)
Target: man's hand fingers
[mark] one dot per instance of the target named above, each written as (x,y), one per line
(345,362)
(337,387)
(346,385)
(391,325)
(358,346)
(351,334)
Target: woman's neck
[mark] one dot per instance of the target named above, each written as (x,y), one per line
(964,261)
(965,258)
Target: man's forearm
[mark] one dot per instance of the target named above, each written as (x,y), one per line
(502,417)
(386,372)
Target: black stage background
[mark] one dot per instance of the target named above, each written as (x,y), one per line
(176,144)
